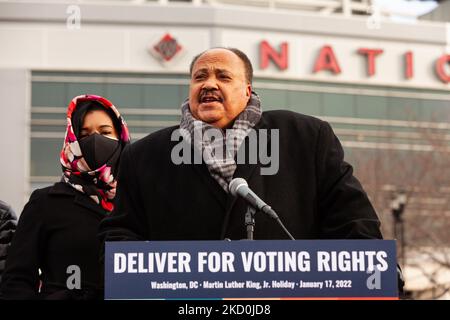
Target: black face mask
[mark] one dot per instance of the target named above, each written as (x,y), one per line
(99,150)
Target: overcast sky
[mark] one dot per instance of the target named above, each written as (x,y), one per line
(402,8)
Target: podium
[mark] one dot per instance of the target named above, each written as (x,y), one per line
(276,269)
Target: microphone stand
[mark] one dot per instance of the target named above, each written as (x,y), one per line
(250,221)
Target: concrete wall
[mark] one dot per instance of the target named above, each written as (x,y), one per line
(14,136)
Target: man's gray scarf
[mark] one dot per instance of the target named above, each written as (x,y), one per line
(219,147)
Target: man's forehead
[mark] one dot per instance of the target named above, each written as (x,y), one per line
(217,59)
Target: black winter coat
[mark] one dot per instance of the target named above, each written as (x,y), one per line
(57,229)
(314,192)
(8,222)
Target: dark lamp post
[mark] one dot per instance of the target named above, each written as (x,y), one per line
(398,207)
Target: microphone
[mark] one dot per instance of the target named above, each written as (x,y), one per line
(239,187)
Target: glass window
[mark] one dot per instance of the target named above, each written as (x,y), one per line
(124,95)
(163,96)
(48,94)
(435,110)
(45,156)
(305,102)
(367,143)
(184,93)
(404,109)
(338,105)
(76,89)
(372,107)
(272,99)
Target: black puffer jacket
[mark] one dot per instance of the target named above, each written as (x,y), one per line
(8,222)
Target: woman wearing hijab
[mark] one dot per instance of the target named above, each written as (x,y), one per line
(57,230)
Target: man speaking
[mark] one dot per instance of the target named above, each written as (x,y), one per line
(174,183)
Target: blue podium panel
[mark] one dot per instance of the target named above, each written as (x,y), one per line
(251,269)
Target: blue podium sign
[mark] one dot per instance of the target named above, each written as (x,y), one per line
(251,269)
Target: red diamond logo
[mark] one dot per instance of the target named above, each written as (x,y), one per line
(167,47)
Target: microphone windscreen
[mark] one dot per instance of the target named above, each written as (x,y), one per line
(235,184)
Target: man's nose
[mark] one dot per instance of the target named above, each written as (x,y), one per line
(210,84)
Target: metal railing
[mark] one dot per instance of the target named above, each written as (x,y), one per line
(323,7)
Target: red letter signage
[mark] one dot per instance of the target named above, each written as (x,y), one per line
(409,71)
(371,54)
(440,68)
(327,61)
(266,52)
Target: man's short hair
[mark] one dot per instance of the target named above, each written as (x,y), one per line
(247,64)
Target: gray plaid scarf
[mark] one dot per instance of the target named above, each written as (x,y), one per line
(219,147)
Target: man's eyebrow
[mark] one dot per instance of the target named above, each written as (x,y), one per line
(223,71)
(203,70)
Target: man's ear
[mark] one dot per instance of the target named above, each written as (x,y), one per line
(248,90)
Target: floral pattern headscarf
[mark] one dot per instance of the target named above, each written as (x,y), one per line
(98,183)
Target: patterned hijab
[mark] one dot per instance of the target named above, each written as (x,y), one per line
(98,183)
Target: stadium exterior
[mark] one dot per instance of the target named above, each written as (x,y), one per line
(383,86)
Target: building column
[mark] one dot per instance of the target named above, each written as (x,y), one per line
(15,114)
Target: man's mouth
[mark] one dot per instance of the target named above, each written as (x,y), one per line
(210,98)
